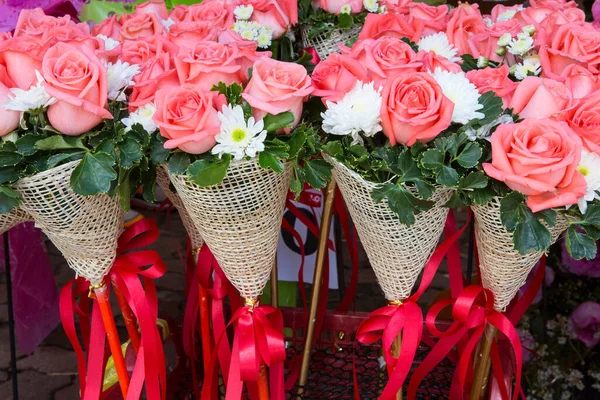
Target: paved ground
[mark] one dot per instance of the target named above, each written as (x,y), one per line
(50,372)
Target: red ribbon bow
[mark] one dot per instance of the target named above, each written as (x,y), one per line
(472,311)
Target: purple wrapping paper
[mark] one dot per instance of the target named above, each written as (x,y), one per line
(35,296)
(10,9)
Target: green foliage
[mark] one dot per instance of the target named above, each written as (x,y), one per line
(233,92)
(8,199)
(209,171)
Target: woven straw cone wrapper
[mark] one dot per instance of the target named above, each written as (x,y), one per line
(163,180)
(397,253)
(84,229)
(503,269)
(12,219)
(327,42)
(240,219)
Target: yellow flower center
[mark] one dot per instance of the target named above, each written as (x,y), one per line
(584,170)
(238,135)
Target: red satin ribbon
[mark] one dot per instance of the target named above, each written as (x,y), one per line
(405,319)
(472,311)
(258,336)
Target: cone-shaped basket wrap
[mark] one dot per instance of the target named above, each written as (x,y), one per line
(398,253)
(503,269)
(12,219)
(240,219)
(164,181)
(327,42)
(84,229)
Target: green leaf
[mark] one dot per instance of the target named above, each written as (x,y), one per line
(277,148)
(475,180)
(149,188)
(26,144)
(424,188)
(209,172)
(9,158)
(531,235)
(345,20)
(580,245)
(406,167)
(482,196)
(592,215)
(9,175)
(179,163)
(158,153)
(275,122)
(94,174)
(298,179)
(513,210)
(401,201)
(432,159)
(470,155)
(447,176)
(9,199)
(469,63)
(56,159)
(130,152)
(492,107)
(139,134)
(124,189)
(233,92)
(268,160)
(548,216)
(297,140)
(317,173)
(106,146)
(333,148)
(60,142)
(456,200)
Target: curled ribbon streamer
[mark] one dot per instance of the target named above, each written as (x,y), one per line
(405,319)
(258,335)
(472,311)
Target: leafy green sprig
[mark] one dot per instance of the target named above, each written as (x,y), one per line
(321,21)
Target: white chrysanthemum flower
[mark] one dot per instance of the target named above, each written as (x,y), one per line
(356,113)
(529,29)
(520,46)
(529,67)
(247,30)
(34,98)
(484,131)
(504,40)
(119,76)
(439,44)
(459,90)
(506,15)
(264,37)
(243,12)
(238,137)
(488,22)
(346,9)
(589,166)
(109,43)
(142,116)
(371,5)
(167,23)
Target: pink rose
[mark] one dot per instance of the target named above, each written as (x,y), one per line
(378,25)
(187,117)
(585,323)
(140,26)
(584,118)
(34,23)
(212,13)
(155,74)
(5,36)
(186,34)
(414,108)
(277,87)
(9,120)
(77,79)
(396,6)
(556,4)
(156,7)
(540,98)
(432,18)
(22,56)
(385,57)
(334,6)
(336,76)
(431,61)
(209,63)
(278,15)
(485,44)
(538,158)
(464,23)
(146,49)
(493,80)
(579,80)
(503,11)
(72,35)
(109,27)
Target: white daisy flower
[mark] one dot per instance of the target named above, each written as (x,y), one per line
(34,98)
(356,113)
(439,44)
(371,5)
(167,23)
(119,76)
(238,137)
(142,116)
(247,30)
(521,45)
(109,43)
(529,67)
(504,40)
(346,9)
(589,166)
(264,37)
(459,90)
(243,12)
